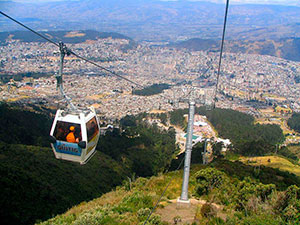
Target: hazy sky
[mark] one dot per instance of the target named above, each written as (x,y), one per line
(40,0)
(281,2)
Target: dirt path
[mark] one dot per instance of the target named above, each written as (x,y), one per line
(173,210)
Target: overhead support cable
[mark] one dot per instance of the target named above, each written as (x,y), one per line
(221,51)
(71,52)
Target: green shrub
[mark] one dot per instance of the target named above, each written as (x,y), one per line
(207,210)
(143,213)
(89,218)
(216,221)
(261,219)
(288,204)
(208,179)
(153,220)
(140,182)
(134,202)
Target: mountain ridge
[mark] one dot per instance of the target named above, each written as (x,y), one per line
(152,20)
(67,36)
(286,48)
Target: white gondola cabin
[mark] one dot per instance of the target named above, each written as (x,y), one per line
(74,136)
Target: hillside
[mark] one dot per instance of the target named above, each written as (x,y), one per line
(245,199)
(223,192)
(287,48)
(35,186)
(77,36)
(24,126)
(294,122)
(139,149)
(247,137)
(274,162)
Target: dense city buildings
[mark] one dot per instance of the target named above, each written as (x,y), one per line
(248,82)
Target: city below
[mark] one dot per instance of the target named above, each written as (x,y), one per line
(264,86)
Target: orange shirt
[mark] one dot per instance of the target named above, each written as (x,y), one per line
(71,137)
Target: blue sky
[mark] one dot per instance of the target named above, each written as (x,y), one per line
(274,2)
(283,2)
(35,0)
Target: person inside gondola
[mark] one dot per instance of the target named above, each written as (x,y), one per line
(71,136)
(61,133)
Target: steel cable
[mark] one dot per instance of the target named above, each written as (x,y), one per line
(221,51)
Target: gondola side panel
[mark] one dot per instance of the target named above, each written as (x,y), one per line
(67,148)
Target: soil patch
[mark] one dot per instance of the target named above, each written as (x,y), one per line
(184,214)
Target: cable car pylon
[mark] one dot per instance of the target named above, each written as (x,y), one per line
(192,99)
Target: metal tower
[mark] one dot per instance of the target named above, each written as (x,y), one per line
(192,100)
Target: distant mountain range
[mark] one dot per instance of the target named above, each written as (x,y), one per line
(56,36)
(287,48)
(157,20)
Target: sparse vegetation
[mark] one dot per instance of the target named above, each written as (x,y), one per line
(274,162)
(244,199)
(251,201)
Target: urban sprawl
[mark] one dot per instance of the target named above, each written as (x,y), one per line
(249,83)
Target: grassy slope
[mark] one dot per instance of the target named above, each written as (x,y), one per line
(275,162)
(126,206)
(296,150)
(121,206)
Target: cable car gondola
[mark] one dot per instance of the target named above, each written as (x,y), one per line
(74,135)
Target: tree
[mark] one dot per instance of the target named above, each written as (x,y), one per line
(217,149)
(208,179)
(294,122)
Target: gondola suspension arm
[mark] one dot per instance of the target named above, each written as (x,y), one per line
(63,51)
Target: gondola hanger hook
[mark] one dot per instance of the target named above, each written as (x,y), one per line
(59,78)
